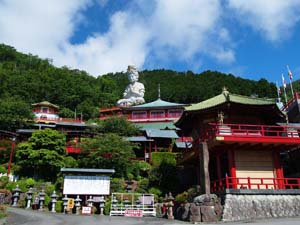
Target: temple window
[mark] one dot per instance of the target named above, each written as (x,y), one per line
(139,115)
(157,114)
(174,113)
(44,109)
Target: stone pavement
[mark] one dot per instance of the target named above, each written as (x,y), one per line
(28,217)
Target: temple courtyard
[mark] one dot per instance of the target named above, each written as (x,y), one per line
(28,217)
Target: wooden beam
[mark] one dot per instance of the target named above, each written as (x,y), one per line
(204,169)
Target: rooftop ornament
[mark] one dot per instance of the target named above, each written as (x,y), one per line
(225,92)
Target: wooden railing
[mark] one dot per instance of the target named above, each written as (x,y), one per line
(60,120)
(254,183)
(247,130)
(290,102)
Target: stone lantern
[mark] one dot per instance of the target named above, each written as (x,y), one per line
(78,204)
(126,203)
(42,195)
(170,204)
(102,205)
(29,198)
(90,201)
(138,203)
(65,203)
(114,202)
(16,195)
(53,201)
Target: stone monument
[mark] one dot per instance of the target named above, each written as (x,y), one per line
(134,92)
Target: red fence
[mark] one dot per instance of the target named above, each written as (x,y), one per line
(73,149)
(290,102)
(254,183)
(60,120)
(246,130)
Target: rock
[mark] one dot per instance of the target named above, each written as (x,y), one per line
(208,214)
(195,213)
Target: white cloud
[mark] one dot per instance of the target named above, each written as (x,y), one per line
(181,29)
(273,18)
(120,46)
(38,27)
(188,28)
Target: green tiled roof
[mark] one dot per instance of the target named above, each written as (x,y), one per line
(138,139)
(159,125)
(158,103)
(156,133)
(222,98)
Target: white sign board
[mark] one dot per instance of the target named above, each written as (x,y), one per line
(86,185)
(86,210)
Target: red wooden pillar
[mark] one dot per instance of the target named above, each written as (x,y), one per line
(278,170)
(145,152)
(232,168)
(150,151)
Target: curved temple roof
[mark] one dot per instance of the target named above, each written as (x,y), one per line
(45,103)
(158,103)
(227,97)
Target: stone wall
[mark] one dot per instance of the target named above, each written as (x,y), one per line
(247,207)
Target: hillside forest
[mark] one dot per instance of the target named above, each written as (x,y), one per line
(27,79)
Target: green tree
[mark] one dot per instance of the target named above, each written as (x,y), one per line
(164,172)
(66,113)
(117,125)
(109,151)
(43,155)
(14,114)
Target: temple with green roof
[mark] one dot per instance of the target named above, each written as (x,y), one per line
(237,146)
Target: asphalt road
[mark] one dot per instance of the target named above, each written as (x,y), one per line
(28,217)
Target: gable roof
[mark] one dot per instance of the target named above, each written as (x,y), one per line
(45,103)
(228,97)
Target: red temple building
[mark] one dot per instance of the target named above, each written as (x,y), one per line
(238,141)
(236,153)
(155,120)
(46,116)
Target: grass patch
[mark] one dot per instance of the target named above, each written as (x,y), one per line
(2,211)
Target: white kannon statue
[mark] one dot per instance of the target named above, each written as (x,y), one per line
(134,92)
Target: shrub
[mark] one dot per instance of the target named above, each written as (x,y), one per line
(165,157)
(143,185)
(3,181)
(117,185)
(182,197)
(49,189)
(2,169)
(107,206)
(59,206)
(2,211)
(156,192)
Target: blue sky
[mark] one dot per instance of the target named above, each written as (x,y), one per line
(252,39)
